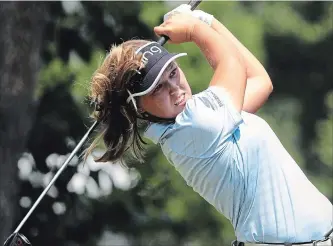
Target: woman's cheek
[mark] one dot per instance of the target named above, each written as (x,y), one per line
(162,103)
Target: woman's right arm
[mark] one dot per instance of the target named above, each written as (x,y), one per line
(259,84)
(227,62)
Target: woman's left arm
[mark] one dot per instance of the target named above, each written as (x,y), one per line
(259,85)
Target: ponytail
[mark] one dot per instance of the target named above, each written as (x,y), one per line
(118,121)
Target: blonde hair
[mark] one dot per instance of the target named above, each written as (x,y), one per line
(119,124)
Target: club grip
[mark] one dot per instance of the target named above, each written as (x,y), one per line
(193,3)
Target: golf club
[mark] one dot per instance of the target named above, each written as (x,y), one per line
(17,239)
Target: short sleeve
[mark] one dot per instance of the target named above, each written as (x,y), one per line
(205,125)
(220,100)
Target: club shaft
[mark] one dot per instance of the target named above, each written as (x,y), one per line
(328,233)
(162,41)
(194,3)
(79,145)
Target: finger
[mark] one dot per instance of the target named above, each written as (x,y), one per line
(164,23)
(171,42)
(161,30)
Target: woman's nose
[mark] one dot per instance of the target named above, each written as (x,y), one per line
(173,86)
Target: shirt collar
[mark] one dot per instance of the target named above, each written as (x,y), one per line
(155,131)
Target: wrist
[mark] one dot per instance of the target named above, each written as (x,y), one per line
(198,31)
(203,16)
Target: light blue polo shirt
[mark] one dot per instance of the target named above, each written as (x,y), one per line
(236,163)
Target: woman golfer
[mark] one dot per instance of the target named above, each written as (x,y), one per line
(230,156)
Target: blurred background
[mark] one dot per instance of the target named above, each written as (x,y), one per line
(49,51)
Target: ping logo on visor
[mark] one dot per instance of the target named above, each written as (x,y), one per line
(152,50)
(155,59)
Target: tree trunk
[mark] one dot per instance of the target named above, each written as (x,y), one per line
(21,26)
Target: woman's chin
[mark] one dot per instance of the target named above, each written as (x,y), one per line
(180,108)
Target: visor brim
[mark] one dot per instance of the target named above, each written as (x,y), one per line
(153,76)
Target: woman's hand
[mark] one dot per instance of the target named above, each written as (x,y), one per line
(186,8)
(178,28)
